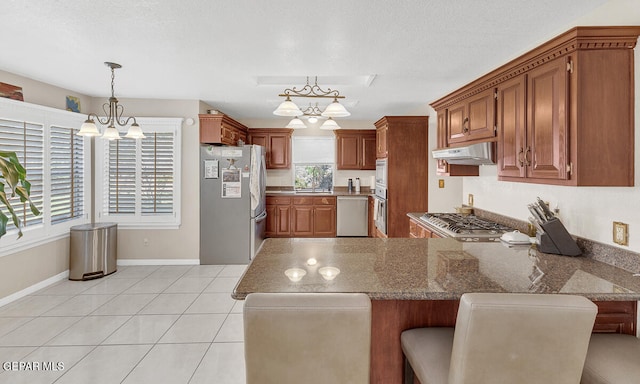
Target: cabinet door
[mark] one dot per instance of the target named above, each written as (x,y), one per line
(279,148)
(284,220)
(258,139)
(368,152)
(511,128)
(441,165)
(210,130)
(456,120)
(381,142)
(302,220)
(349,153)
(324,221)
(481,122)
(272,221)
(547,133)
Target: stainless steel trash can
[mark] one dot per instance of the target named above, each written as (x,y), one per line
(93,251)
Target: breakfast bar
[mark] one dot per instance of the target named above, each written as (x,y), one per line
(418,282)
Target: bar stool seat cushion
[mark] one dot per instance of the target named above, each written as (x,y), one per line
(429,353)
(612,359)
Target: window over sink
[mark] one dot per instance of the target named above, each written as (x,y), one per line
(313,162)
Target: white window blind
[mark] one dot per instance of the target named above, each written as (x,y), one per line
(26,140)
(141,178)
(66,166)
(314,150)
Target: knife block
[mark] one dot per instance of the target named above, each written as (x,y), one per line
(557,240)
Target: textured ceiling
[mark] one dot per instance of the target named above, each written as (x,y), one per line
(231,54)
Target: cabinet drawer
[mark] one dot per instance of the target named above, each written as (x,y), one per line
(278,200)
(303,200)
(324,200)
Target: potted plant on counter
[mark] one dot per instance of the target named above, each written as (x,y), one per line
(14,176)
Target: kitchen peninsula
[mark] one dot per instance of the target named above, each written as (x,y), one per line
(417,282)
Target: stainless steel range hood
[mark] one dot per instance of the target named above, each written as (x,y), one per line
(476,154)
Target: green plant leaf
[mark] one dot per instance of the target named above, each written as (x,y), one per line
(3,224)
(5,201)
(24,197)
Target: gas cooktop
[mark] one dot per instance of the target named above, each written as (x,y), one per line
(465,227)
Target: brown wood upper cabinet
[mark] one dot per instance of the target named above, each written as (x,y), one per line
(472,119)
(534,127)
(442,167)
(564,110)
(381,141)
(356,149)
(277,143)
(221,129)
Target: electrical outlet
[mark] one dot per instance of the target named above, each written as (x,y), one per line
(440,183)
(145,242)
(620,233)
(470,200)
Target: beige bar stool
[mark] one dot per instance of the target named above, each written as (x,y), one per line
(612,359)
(307,338)
(504,338)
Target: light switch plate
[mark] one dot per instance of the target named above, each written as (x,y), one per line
(470,200)
(440,183)
(620,233)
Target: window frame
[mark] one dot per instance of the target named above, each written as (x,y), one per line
(138,220)
(306,162)
(46,232)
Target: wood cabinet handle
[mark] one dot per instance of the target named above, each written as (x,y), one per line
(465,129)
(521,157)
(526,156)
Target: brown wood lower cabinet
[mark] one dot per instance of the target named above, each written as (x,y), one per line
(301,216)
(390,317)
(418,231)
(278,217)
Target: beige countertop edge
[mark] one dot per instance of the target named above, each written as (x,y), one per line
(456,296)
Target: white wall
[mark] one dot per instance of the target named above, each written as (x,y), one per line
(586,211)
(170,244)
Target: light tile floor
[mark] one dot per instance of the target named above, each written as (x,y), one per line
(142,324)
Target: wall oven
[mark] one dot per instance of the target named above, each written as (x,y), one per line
(380,207)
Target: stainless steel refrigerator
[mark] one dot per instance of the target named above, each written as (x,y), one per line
(232,203)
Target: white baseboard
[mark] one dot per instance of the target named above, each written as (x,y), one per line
(38,286)
(126,262)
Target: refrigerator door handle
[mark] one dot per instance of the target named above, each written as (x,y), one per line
(261,216)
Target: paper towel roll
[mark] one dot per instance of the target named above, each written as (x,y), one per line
(372,183)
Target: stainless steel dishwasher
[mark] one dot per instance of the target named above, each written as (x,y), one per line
(352,216)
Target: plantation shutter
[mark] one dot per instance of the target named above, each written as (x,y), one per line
(122,177)
(26,140)
(157,173)
(67,174)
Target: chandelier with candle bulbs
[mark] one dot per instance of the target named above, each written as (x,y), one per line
(312,113)
(113,117)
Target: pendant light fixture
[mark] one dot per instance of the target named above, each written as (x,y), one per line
(296,123)
(113,118)
(289,108)
(330,124)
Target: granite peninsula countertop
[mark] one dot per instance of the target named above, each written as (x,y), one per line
(430,269)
